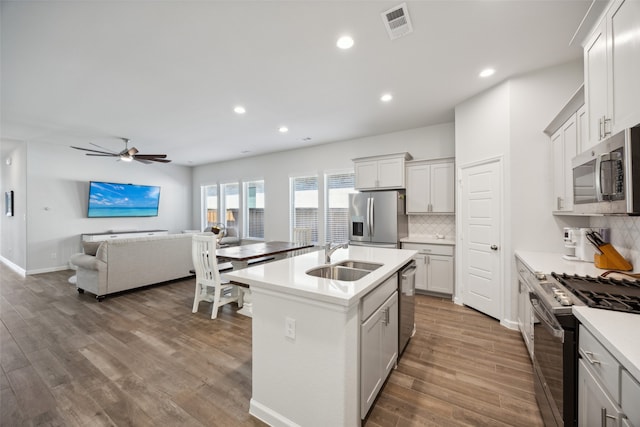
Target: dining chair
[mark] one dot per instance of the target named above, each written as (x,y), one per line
(209,285)
(303,236)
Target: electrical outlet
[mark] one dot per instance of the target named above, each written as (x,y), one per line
(290,328)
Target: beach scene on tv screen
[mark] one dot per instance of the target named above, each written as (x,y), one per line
(115,200)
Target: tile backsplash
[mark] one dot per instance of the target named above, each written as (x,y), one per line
(625,235)
(433,224)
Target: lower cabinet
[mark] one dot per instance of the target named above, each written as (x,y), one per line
(434,264)
(378,350)
(608,395)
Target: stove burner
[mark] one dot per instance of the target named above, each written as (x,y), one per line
(602,292)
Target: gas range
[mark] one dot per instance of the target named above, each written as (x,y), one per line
(602,292)
(554,296)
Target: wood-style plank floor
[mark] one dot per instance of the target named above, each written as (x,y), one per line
(143,359)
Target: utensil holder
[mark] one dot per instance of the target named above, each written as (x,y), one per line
(610,259)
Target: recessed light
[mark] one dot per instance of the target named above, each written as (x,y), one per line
(345,42)
(239,109)
(487,72)
(386,97)
(283,129)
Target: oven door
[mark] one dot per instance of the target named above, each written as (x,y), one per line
(548,361)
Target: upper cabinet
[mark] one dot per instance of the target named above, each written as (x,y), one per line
(381,172)
(430,187)
(565,147)
(611,70)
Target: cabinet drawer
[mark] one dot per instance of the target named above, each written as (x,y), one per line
(427,249)
(376,297)
(630,397)
(601,362)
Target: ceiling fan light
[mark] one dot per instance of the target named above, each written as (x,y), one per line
(126,158)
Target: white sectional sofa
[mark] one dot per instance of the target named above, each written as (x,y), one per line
(122,264)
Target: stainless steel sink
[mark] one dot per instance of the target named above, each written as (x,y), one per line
(347,271)
(338,272)
(362,265)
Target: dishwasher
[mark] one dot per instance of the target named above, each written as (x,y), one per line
(407,327)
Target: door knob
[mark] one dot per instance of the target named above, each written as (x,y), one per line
(494,247)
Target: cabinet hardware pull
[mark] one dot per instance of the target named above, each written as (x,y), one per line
(604,127)
(590,358)
(601,127)
(604,416)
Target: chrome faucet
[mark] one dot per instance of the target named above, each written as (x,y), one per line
(329,250)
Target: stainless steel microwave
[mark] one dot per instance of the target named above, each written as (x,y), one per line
(606,177)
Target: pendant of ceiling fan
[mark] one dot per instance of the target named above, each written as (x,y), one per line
(126,155)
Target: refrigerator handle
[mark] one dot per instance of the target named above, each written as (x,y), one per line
(372,222)
(368,215)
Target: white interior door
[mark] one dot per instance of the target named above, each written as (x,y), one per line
(480,244)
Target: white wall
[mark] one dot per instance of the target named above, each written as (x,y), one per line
(508,120)
(13,239)
(423,143)
(56,191)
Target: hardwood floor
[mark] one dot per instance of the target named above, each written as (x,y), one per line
(143,359)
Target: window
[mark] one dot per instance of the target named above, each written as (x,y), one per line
(339,186)
(304,204)
(230,198)
(210,193)
(254,209)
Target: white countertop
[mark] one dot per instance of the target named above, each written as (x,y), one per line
(288,275)
(428,238)
(545,262)
(618,332)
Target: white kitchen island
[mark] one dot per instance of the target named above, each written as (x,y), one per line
(306,337)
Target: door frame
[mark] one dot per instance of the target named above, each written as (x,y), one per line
(505,291)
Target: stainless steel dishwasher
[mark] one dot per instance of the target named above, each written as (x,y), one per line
(407,281)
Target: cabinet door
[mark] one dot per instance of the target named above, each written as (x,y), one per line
(629,398)
(624,62)
(594,405)
(558,170)
(582,125)
(391,173)
(595,78)
(440,274)
(442,188)
(418,189)
(366,174)
(570,142)
(370,360)
(421,272)
(389,347)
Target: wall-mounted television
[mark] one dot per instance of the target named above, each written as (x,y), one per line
(111,199)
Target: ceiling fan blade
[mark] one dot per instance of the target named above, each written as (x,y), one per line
(160,160)
(103,155)
(152,156)
(93,151)
(103,148)
(146,162)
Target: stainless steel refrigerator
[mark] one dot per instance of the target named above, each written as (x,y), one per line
(377,218)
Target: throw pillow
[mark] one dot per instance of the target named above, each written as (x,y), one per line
(91,248)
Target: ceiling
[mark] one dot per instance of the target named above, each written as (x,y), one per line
(167,74)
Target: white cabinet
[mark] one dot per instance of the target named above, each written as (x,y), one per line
(381,172)
(430,187)
(434,267)
(607,393)
(526,318)
(565,147)
(378,344)
(611,67)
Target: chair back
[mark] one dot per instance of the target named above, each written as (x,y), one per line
(203,251)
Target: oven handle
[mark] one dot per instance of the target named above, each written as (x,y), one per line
(547,319)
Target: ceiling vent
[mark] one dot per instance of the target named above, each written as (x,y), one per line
(396,21)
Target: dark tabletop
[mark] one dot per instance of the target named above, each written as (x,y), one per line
(257,250)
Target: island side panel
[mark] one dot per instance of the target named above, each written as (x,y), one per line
(312,380)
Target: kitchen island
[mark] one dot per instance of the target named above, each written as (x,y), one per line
(306,336)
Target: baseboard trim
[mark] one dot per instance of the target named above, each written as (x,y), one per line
(48,270)
(269,416)
(21,271)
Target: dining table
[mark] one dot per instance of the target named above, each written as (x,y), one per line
(243,255)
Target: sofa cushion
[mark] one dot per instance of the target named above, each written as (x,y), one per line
(90,248)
